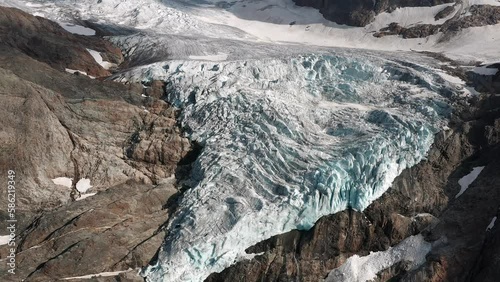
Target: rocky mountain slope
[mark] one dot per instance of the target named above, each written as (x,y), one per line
(362,12)
(48,42)
(461,15)
(57,124)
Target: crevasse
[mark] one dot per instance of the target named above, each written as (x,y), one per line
(287,141)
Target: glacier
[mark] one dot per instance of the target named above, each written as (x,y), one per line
(286,141)
(292,129)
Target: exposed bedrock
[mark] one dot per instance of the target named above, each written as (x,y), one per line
(477,15)
(362,12)
(421,200)
(55,124)
(47,42)
(77,127)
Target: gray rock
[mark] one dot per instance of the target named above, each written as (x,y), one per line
(56,124)
(48,42)
(361,12)
(445,12)
(416,31)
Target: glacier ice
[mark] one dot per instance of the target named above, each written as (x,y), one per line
(287,141)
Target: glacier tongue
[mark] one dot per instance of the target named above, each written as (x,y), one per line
(287,141)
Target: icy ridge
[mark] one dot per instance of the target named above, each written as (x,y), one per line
(287,141)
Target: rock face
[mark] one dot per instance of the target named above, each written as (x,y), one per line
(444,13)
(48,42)
(85,129)
(416,31)
(422,200)
(361,12)
(478,15)
(115,230)
(56,124)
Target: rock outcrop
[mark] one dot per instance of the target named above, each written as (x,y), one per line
(416,31)
(48,42)
(55,124)
(361,12)
(478,15)
(84,128)
(116,230)
(447,11)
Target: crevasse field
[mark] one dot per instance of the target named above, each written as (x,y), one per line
(287,141)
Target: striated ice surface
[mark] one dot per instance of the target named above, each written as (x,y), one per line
(287,141)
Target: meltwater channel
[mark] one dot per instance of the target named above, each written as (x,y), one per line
(287,141)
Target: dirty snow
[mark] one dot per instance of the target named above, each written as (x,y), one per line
(360,269)
(483,70)
(76,29)
(467,180)
(450,78)
(84,196)
(102,274)
(409,16)
(492,223)
(98,58)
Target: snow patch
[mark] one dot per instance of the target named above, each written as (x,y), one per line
(84,196)
(102,274)
(451,78)
(467,180)
(484,70)
(33,5)
(492,224)
(83,185)
(422,215)
(77,29)
(64,181)
(360,269)
(4,240)
(98,58)
(471,91)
